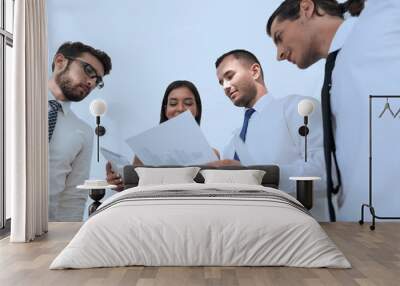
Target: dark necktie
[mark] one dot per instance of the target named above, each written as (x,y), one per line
(54,107)
(329,142)
(249,112)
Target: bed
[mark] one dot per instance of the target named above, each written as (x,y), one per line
(201,224)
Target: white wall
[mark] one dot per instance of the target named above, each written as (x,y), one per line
(152,43)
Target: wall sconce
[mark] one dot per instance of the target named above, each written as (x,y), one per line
(98,108)
(304,185)
(305,108)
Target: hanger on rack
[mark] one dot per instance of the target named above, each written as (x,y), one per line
(387,107)
(397,113)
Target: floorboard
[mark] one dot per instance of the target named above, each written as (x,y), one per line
(374,255)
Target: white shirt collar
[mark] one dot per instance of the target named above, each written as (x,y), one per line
(262,102)
(66,105)
(342,33)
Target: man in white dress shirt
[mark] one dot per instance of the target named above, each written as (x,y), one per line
(77,70)
(367,63)
(271,124)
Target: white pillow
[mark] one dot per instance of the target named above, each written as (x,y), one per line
(165,176)
(248,177)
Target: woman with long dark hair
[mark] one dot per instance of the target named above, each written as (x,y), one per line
(179,96)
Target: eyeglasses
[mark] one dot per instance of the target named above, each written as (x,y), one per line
(89,71)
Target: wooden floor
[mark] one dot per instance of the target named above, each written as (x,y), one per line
(374,255)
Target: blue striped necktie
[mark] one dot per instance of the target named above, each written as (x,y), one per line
(54,107)
(249,112)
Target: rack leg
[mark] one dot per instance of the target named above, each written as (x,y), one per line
(361,221)
(372,210)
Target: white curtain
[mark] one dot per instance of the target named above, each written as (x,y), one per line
(26,117)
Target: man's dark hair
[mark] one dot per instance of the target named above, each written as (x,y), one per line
(177,84)
(289,10)
(75,49)
(240,54)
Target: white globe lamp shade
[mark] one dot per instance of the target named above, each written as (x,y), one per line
(98,107)
(305,107)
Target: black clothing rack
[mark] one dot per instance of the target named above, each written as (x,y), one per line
(370,204)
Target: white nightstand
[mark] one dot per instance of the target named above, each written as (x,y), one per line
(304,190)
(96,193)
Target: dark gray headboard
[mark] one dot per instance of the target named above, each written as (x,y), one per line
(270,179)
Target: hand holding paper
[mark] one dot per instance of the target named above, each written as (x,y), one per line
(117,161)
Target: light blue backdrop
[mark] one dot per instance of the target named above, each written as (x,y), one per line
(152,43)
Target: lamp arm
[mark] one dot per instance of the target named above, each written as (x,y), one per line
(98,137)
(305,138)
(305,148)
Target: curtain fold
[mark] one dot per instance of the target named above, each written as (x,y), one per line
(27,120)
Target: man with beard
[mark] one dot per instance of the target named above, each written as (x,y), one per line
(270,126)
(77,69)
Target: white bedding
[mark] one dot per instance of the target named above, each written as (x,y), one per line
(182,231)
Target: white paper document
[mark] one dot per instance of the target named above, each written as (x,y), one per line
(242,151)
(117,161)
(178,141)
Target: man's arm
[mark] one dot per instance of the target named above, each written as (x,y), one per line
(222,163)
(72,200)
